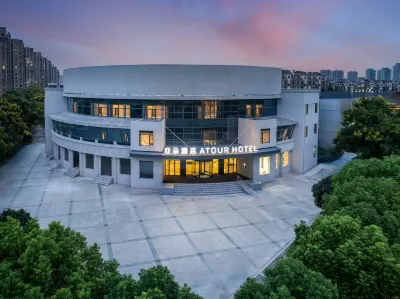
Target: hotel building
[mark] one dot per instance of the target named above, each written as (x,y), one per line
(146,125)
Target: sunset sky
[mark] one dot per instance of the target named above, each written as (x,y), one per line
(297,34)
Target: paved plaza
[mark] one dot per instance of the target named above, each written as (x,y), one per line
(212,243)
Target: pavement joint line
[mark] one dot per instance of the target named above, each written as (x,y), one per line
(198,252)
(260,230)
(146,234)
(26,176)
(107,232)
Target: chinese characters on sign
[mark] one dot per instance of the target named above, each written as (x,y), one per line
(213,150)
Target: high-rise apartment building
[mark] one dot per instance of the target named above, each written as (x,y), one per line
(326,73)
(337,75)
(396,72)
(20,66)
(385,74)
(352,76)
(370,74)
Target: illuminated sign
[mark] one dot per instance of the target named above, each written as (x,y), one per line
(212,150)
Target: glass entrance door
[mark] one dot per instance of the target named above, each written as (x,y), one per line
(203,169)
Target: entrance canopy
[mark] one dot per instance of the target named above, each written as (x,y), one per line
(207,152)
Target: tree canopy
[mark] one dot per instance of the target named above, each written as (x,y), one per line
(370,129)
(57,263)
(289,279)
(358,259)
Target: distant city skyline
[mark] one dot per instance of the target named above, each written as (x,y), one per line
(309,35)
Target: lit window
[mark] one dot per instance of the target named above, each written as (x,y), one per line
(101,109)
(209,137)
(210,109)
(126,137)
(75,107)
(103,135)
(285,159)
(264,165)
(4,67)
(155,111)
(264,136)
(305,131)
(248,110)
(259,110)
(277,161)
(172,167)
(306,108)
(146,138)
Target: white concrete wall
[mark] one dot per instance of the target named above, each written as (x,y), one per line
(155,126)
(330,119)
(241,169)
(292,106)
(250,131)
(123,179)
(88,172)
(138,182)
(178,80)
(54,102)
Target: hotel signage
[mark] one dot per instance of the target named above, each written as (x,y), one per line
(211,150)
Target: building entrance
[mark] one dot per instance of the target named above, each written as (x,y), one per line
(106,166)
(76,159)
(200,171)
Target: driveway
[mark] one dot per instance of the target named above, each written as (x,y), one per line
(211,243)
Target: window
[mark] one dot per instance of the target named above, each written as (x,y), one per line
(66,154)
(209,137)
(89,161)
(315,128)
(284,132)
(285,159)
(103,135)
(210,109)
(316,107)
(125,166)
(100,109)
(264,136)
(306,108)
(277,161)
(305,131)
(315,151)
(155,111)
(146,169)
(259,110)
(125,137)
(120,110)
(146,138)
(248,110)
(264,165)
(172,167)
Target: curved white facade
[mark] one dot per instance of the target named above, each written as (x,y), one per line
(133,122)
(173,81)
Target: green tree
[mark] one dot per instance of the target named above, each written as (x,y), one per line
(13,129)
(289,279)
(57,263)
(21,215)
(324,186)
(370,129)
(358,259)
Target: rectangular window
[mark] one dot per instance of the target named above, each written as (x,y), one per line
(155,111)
(285,159)
(125,166)
(305,131)
(264,136)
(248,110)
(316,107)
(315,128)
(75,107)
(66,158)
(259,110)
(146,138)
(172,167)
(210,109)
(100,109)
(103,135)
(120,110)
(315,151)
(146,169)
(306,108)
(89,161)
(277,161)
(264,165)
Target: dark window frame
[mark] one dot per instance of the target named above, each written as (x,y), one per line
(262,131)
(142,173)
(125,168)
(150,135)
(89,165)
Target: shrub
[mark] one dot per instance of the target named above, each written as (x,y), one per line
(324,186)
(21,215)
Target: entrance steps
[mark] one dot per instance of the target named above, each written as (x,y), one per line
(72,172)
(55,164)
(207,189)
(103,180)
